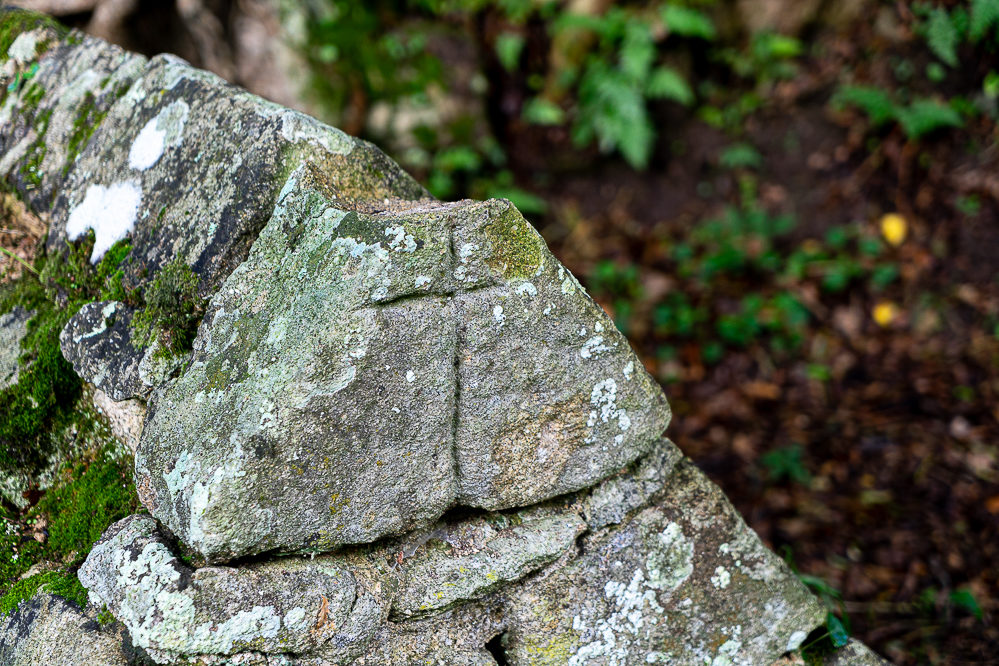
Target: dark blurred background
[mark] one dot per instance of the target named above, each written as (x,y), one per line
(791,207)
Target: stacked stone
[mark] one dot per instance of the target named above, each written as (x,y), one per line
(405,433)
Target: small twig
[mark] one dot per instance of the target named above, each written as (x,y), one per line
(17,258)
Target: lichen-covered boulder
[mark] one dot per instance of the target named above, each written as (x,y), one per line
(368,367)
(674,577)
(682,581)
(178,614)
(47,629)
(172,158)
(59,85)
(97,341)
(13,328)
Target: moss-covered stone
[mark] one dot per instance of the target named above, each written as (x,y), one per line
(15,22)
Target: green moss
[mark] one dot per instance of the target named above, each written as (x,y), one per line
(172,309)
(91,494)
(517,250)
(15,21)
(47,387)
(62,583)
(31,167)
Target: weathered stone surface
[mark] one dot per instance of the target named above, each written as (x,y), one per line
(611,501)
(854,653)
(13,328)
(178,614)
(683,581)
(125,418)
(456,638)
(468,560)
(363,371)
(48,118)
(678,576)
(47,629)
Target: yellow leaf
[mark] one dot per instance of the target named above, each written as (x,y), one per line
(894,228)
(884,313)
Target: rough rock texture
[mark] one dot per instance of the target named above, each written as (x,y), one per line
(854,653)
(49,117)
(98,342)
(173,612)
(675,577)
(124,417)
(364,370)
(47,629)
(683,581)
(13,328)
(477,556)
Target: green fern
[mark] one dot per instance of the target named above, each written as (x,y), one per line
(924,116)
(942,36)
(984,15)
(875,102)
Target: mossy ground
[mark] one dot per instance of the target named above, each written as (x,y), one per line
(47,386)
(91,492)
(48,410)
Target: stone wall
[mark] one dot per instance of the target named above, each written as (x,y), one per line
(403,434)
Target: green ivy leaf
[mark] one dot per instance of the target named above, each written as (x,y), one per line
(540,111)
(509,46)
(837,632)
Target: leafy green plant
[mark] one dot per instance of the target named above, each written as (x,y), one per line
(786,464)
(917,119)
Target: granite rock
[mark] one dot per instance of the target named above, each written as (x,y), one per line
(682,581)
(368,367)
(179,614)
(47,629)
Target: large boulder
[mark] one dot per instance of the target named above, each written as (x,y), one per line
(370,366)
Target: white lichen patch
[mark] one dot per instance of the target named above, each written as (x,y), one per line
(410,376)
(24,48)
(498,314)
(635,611)
(421,282)
(721,578)
(593,347)
(164,131)
(629,370)
(110,211)
(795,641)
(399,240)
(106,313)
(603,398)
(527,289)
(671,561)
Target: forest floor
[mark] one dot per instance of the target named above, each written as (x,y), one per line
(866,453)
